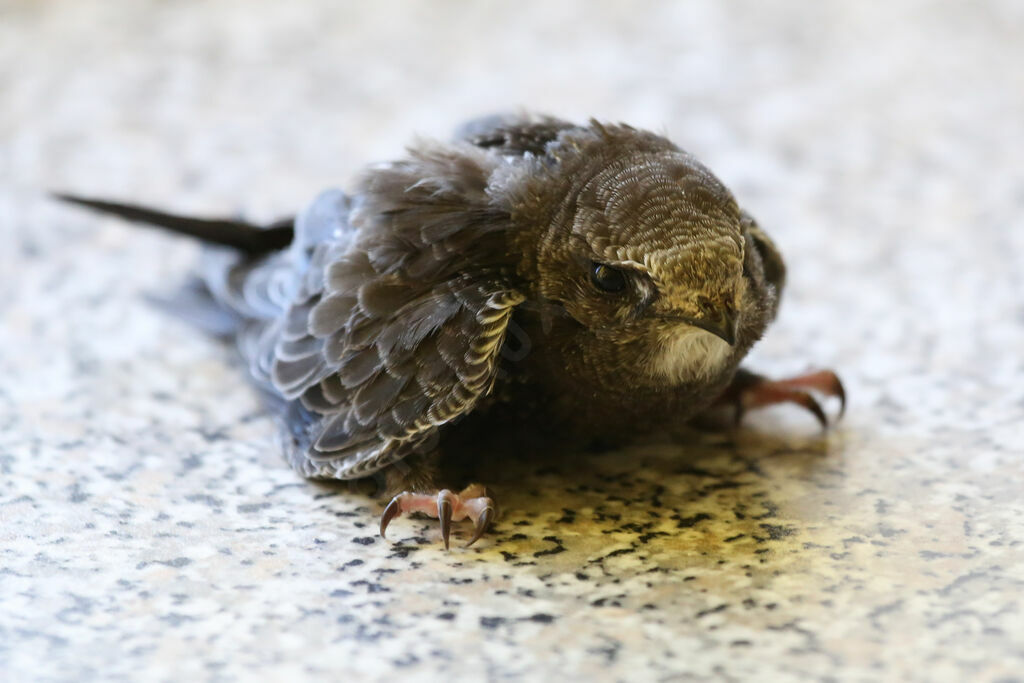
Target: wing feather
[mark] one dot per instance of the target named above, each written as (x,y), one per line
(388,323)
(392,390)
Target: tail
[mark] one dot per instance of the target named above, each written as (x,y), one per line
(245,237)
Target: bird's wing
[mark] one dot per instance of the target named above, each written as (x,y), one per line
(401,332)
(763,263)
(514,134)
(773,266)
(381,366)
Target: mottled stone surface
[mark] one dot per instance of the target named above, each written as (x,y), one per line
(149,530)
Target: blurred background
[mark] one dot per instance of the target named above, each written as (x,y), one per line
(283,97)
(879,143)
(851,130)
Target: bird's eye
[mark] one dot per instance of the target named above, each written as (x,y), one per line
(606,278)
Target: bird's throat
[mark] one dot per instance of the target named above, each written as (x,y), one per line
(687,354)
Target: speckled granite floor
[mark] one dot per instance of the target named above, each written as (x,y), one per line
(149,530)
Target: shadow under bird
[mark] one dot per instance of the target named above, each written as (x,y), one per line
(532,276)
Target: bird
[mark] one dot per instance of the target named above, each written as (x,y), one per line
(529,276)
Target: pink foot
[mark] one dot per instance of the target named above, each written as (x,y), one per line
(448,507)
(749,391)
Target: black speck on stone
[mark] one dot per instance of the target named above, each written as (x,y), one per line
(777,531)
(205,499)
(408,660)
(372,587)
(770,510)
(252,507)
(364,540)
(491,622)
(560,548)
(178,562)
(889,532)
(931,555)
(77,495)
(542,618)
(175,619)
(191,462)
(687,522)
(713,610)
(213,435)
(447,616)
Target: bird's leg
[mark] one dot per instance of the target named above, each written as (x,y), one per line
(748,391)
(471,502)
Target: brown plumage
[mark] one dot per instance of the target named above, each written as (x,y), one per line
(591,280)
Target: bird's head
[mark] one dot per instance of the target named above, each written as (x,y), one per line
(646,253)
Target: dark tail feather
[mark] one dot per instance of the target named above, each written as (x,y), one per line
(251,239)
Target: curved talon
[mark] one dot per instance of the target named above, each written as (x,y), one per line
(482,524)
(824,381)
(393,509)
(802,398)
(775,393)
(836,389)
(444,514)
(448,507)
(749,390)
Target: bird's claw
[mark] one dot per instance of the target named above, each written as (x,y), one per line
(444,514)
(753,391)
(472,503)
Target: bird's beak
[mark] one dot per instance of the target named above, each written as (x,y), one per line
(722,324)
